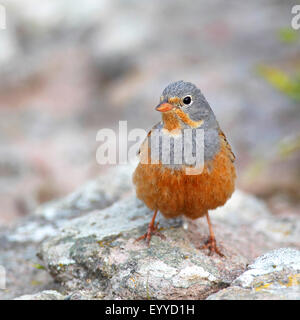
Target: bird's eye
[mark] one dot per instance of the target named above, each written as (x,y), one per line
(187,100)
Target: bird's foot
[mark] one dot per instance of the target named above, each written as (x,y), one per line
(211,245)
(152,230)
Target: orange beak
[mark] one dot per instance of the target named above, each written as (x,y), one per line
(164,107)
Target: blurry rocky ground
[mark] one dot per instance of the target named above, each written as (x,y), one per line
(69,69)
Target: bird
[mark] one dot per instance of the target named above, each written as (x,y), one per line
(167,186)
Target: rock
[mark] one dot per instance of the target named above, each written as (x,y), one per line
(19,243)
(95,194)
(275,275)
(246,213)
(242,209)
(32,231)
(44,295)
(24,272)
(280,229)
(87,243)
(97,253)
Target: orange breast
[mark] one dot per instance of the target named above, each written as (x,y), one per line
(174,193)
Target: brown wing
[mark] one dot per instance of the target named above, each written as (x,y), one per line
(227,145)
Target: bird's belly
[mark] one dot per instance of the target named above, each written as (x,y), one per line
(175,193)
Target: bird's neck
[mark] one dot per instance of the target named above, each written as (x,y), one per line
(171,121)
(178,120)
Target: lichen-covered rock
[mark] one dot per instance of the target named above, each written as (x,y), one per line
(97,253)
(92,253)
(275,275)
(19,243)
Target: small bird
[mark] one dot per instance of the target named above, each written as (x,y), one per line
(166,186)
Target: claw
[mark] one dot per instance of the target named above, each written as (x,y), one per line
(211,245)
(152,230)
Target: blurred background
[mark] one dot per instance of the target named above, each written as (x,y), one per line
(70,68)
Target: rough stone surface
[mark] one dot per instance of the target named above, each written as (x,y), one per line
(24,274)
(43,295)
(86,241)
(274,275)
(97,253)
(95,194)
(19,244)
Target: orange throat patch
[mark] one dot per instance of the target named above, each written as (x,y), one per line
(171,120)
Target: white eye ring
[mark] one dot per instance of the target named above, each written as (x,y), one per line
(188,101)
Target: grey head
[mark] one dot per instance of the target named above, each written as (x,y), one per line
(191,101)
